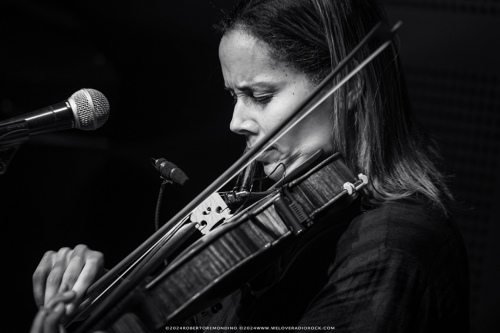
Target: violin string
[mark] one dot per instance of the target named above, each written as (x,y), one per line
(224,179)
(280,135)
(261,178)
(327,95)
(163,239)
(309,110)
(244,161)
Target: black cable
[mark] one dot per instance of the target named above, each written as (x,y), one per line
(158,204)
(255,179)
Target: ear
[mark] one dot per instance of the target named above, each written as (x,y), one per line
(355,92)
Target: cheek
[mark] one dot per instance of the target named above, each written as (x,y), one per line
(271,118)
(287,104)
(315,131)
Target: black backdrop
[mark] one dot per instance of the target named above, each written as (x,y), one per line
(156,61)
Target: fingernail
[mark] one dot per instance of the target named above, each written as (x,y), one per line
(59,307)
(70,308)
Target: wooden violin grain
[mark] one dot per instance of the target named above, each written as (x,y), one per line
(232,254)
(128,323)
(231,245)
(223,254)
(317,189)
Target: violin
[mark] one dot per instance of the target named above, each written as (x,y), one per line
(142,294)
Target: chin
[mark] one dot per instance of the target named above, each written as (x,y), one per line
(270,168)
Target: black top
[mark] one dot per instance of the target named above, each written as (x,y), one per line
(400,267)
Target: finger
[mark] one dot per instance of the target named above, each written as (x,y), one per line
(80,250)
(75,264)
(72,272)
(64,298)
(53,281)
(81,309)
(55,276)
(40,277)
(63,255)
(37,325)
(53,319)
(86,278)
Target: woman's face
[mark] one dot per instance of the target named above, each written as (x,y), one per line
(265,92)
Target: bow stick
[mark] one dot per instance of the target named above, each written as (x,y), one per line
(324,90)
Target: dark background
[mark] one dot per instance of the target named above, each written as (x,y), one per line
(157,63)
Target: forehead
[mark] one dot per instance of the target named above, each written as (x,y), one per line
(245,60)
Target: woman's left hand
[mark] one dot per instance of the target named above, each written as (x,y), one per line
(48,318)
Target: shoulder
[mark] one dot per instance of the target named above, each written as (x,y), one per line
(404,232)
(408,226)
(398,266)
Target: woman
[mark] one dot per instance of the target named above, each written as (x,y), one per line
(394,262)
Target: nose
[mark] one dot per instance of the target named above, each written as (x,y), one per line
(242,121)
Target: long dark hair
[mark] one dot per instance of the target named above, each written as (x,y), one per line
(377,135)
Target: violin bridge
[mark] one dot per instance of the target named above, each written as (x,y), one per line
(210,213)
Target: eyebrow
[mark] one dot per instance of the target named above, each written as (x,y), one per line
(253,86)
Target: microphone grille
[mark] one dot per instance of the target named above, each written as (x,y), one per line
(92,109)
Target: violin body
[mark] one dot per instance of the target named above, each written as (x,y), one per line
(235,252)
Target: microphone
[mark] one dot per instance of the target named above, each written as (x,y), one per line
(87,109)
(169,171)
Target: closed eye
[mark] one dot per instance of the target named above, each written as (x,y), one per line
(257,99)
(263,99)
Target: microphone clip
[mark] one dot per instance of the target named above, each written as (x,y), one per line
(169,172)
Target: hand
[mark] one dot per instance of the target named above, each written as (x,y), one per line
(49,317)
(75,269)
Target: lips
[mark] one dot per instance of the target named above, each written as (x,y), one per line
(270,155)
